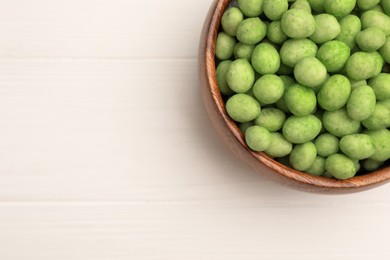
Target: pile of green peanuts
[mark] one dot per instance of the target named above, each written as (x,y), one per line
(307,81)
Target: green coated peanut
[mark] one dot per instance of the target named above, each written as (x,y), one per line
(268,89)
(279,146)
(274,9)
(339,8)
(350,27)
(231,19)
(335,93)
(298,23)
(302,156)
(361,66)
(258,138)
(251,8)
(340,166)
(300,100)
(357,146)
(361,103)
(302,129)
(327,28)
(251,31)
(224,47)
(294,50)
(240,76)
(265,59)
(243,108)
(275,33)
(371,39)
(327,144)
(334,55)
(310,72)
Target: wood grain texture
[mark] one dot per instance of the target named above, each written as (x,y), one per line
(107,152)
(234,138)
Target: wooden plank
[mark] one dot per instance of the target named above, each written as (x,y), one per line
(165,232)
(100,28)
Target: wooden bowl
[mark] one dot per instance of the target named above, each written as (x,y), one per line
(234,138)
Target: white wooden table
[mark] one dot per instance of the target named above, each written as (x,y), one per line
(107,153)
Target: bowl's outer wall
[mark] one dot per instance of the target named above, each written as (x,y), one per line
(233,137)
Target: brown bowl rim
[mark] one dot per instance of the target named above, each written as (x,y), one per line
(207,52)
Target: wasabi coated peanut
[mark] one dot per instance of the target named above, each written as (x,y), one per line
(339,8)
(271,118)
(231,19)
(334,55)
(379,119)
(268,89)
(340,166)
(265,59)
(327,144)
(385,50)
(350,27)
(381,86)
(243,108)
(376,19)
(300,100)
(318,166)
(339,123)
(275,33)
(274,9)
(294,50)
(361,103)
(298,23)
(361,66)
(243,51)
(279,146)
(251,31)
(379,62)
(301,4)
(258,138)
(240,76)
(357,146)
(327,28)
(371,39)
(299,130)
(371,165)
(221,77)
(251,8)
(381,139)
(367,4)
(302,156)
(334,93)
(224,46)
(317,5)
(310,72)
(244,126)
